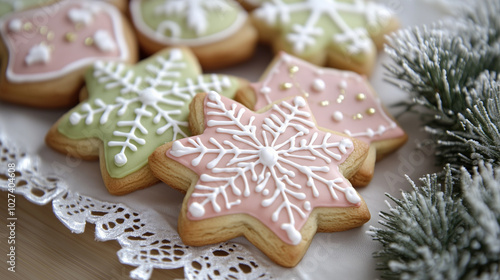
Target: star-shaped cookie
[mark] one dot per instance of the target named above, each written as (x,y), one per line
(343,34)
(131,110)
(272,176)
(341,101)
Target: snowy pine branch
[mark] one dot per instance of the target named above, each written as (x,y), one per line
(449,226)
(450,70)
(433,233)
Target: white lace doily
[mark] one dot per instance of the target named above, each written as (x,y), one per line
(144,222)
(145,243)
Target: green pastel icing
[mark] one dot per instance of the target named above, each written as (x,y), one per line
(102,89)
(329,27)
(216,19)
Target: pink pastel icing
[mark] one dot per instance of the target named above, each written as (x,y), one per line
(333,95)
(43,51)
(242,168)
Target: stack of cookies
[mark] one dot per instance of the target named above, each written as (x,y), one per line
(274,160)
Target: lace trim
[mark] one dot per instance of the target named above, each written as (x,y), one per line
(145,245)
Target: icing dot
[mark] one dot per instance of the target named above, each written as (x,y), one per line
(343,85)
(371,111)
(70,37)
(38,54)
(197,210)
(213,96)
(149,96)
(15,25)
(360,97)
(89,41)
(337,116)
(300,101)
(307,206)
(175,54)
(346,144)
(268,156)
(104,41)
(226,82)
(80,16)
(120,159)
(265,90)
(50,35)
(285,86)
(352,196)
(44,30)
(370,132)
(293,234)
(318,85)
(265,192)
(340,99)
(176,147)
(28,26)
(75,118)
(293,69)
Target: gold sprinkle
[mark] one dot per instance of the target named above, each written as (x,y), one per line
(70,37)
(293,69)
(360,97)
(44,30)
(286,86)
(306,94)
(89,41)
(371,111)
(79,26)
(358,116)
(28,26)
(342,91)
(324,103)
(50,35)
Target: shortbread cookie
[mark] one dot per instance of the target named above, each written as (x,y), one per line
(131,110)
(342,34)
(45,51)
(218,32)
(272,176)
(342,101)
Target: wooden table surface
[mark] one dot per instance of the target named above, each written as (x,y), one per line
(46,249)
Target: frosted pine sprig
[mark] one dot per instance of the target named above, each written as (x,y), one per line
(443,67)
(432,233)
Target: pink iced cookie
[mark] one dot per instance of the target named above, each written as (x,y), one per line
(272,176)
(341,101)
(46,51)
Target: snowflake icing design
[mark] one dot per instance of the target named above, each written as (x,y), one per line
(281,163)
(306,34)
(194,11)
(160,97)
(188,22)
